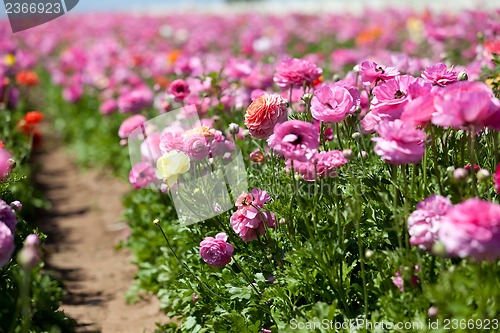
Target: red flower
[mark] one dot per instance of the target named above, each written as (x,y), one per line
(27,78)
(33,118)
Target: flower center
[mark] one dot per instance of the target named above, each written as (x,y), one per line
(399,94)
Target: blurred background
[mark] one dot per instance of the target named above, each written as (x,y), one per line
(277,5)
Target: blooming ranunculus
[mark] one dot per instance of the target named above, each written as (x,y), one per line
(179,89)
(196,146)
(372,73)
(295,139)
(399,143)
(251,228)
(141,175)
(264,113)
(323,164)
(332,104)
(439,75)
(29,256)
(251,203)
(466,103)
(171,165)
(8,216)
(391,97)
(496,179)
(424,223)
(130,124)
(296,72)
(6,244)
(135,100)
(5,163)
(216,251)
(472,229)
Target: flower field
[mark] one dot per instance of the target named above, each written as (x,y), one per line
(288,173)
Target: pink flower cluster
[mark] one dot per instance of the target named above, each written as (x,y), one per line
(468,229)
(250,221)
(296,72)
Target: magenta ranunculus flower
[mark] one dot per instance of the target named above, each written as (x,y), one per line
(296,72)
(295,139)
(130,124)
(324,164)
(142,174)
(5,164)
(250,228)
(391,97)
(424,223)
(8,216)
(216,251)
(179,89)
(135,100)
(466,103)
(372,73)
(399,143)
(439,75)
(196,146)
(6,244)
(472,229)
(332,103)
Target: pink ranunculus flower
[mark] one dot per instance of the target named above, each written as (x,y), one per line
(332,104)
(399,143)
(324,164)
(424,222)
(250,229)
(249,204)
(439,75)
(6,244)
(108,107)
(466,103)
(142,175)
(391,97)
(472,229)
(179,89)
(130,124)
(171,141)
(419,111)
(196,146)
(295,139)
(296,72)
(216,251)
(264,113)
(8,216)
(5,163)
(135,100)
(372,73)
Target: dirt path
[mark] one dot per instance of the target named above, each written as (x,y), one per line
(83,225)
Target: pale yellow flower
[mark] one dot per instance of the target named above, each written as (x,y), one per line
(171,165)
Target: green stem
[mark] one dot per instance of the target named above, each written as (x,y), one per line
(472,160)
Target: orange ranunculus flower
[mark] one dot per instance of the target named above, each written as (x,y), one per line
(370,35)
(33,118)
(27,78)
(264,113)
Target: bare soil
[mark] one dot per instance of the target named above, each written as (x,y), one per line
(84,226)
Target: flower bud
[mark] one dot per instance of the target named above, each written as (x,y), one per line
(368,254)
(234,128)
(257,156)
(432,312)
(347,153)
(16,205)
(356,135)
(156,221)
(307,97)
(462,76)
(450,170)
(363,154)
(460,174)
(483,175)
(439,249)
(246,134)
